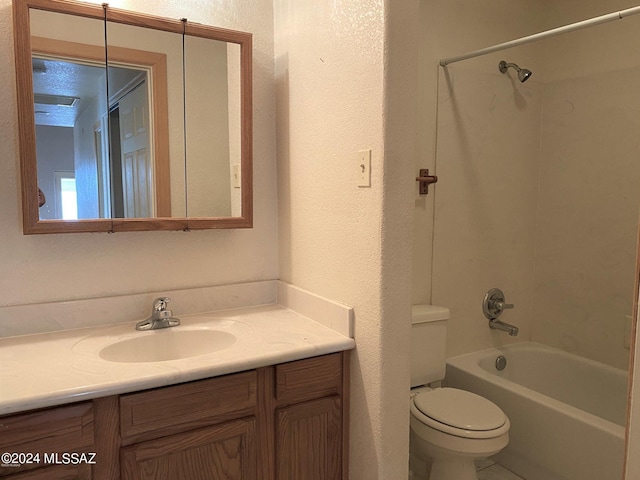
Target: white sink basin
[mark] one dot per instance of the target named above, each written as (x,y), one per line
(167,344)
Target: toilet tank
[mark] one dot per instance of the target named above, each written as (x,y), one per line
(428,343)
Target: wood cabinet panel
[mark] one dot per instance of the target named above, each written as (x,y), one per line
(57,472)
(53,430)
(167,410)
(107,445)
(309,378)
(266,416)
(309,440)
(222,452)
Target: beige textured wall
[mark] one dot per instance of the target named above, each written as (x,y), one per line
(448,29)
(53,267)
(485,224)
(610,50)
(588,196)
(486,193)
(588,215)
(336,239)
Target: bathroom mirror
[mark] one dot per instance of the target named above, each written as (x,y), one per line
(148,131)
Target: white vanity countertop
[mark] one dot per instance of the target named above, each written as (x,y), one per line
(49,369)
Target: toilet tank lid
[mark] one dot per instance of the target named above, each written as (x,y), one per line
(428,313)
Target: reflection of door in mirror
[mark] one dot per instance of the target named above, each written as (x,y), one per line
(72,91)
(132,193)
(154,190)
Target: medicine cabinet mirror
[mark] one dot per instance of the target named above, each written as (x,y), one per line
(131,122)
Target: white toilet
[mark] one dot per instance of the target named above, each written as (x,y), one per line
(450,428)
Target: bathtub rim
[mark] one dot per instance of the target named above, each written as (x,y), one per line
(469,363)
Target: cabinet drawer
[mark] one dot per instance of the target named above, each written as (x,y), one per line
(61,429)
(186,406)
(309,378)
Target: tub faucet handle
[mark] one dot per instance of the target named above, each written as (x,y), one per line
(494,304)
(503,306)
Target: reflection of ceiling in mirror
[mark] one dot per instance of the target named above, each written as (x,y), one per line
(69,79)
(72,80)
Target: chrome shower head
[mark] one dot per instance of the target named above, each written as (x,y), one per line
(523,73)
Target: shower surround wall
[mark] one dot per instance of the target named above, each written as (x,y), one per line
(491,241)
(562,141)
(589,176)
(546,193)
(450,28)
(587,215)
(488,134)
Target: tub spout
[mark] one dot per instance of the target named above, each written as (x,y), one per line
(504,327)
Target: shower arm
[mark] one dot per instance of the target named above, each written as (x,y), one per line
(505,65)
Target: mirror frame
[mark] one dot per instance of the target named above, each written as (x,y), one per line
(31,222)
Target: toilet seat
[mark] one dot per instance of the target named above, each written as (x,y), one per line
(459,413)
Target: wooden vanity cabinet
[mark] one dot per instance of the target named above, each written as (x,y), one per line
(285,422)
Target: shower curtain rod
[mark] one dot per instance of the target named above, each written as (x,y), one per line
(546,34)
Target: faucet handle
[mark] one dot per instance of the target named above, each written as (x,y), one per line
(493,304)
(160,304)
(161,317)
(502,306)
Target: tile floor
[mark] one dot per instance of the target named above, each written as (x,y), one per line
(489,470)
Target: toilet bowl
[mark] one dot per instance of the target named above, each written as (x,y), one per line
(450,428)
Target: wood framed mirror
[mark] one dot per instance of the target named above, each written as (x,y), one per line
(131,122)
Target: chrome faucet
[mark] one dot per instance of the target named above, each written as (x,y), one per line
(160,316)
(504,327)
(492,306)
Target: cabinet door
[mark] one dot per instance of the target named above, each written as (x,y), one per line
(309,440)
(222,452)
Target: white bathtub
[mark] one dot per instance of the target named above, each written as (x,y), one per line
(567,413)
